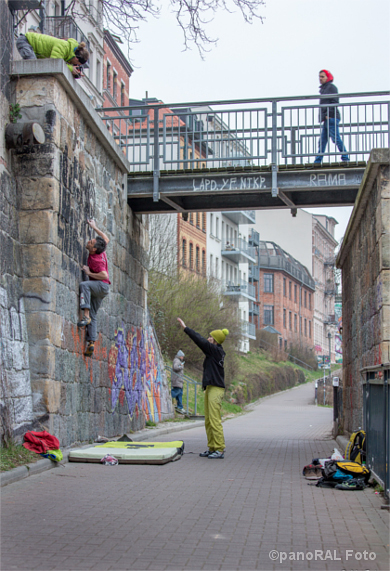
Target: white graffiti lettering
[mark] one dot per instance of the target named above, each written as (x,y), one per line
(328,179)
(234,183)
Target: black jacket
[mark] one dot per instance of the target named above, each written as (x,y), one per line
(326,88)
(213,371)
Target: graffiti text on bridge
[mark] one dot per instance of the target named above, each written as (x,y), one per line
(230,183)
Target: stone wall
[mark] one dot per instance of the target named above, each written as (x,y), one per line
(79,173)
(15,388)
(365,262)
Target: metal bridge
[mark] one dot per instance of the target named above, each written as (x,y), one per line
(246,154)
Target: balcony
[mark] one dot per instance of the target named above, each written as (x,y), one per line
(241,216)
(330,261)
(239,252)
(64,27)
(248,329)
(241,291)
(330,320)
(254,272)
(254,238)
(253,309)
(330,290)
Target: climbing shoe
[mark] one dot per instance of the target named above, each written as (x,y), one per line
(205,454)
(84,321)
(215,455)
(90,349)
(354,484)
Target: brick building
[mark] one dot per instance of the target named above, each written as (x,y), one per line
(192,242)
(116,81)
(286,294)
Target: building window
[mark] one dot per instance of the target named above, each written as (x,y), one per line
(310,329)
(310,301)
(300,325)
(114,85)
(122,94)
(211,265)
(285,344)
(197,259)
(204,221)
(190,218)
(289,290)
(98,74)
(197,220)
(295,293)
(217,227)
(305,327)
(305,298)
(191,260)
(108,76)
(269,283)
(204,262)
(184,252)
(295,322)
(268,315)
(284,318)
(211,223)
(284,287)
(290,320)
(217,268)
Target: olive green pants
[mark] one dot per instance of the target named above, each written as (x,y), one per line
(212,418)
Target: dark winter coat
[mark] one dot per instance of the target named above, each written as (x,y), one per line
(177,373)
(325,89)
(213,371)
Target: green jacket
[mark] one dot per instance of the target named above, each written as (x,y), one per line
(46,46)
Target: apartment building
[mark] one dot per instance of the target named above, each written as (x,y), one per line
(286,295)
(309,238)
(228,257)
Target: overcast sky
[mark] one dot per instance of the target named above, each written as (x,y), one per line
(279,57)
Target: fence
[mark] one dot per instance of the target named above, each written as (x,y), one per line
(376,411)
(189,382)
(246,133)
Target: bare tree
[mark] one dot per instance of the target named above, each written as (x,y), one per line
(122,17)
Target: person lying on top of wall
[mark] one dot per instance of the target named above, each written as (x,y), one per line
(33,46)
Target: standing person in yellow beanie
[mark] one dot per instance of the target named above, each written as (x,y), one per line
(213,383)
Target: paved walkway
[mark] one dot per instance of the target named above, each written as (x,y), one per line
(252,510)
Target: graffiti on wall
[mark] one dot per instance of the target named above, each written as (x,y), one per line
(338,340)
(135,372)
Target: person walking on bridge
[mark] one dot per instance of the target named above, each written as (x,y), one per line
(329,117)
(213,383)
(96,288)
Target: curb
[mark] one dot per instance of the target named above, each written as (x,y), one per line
(22,472)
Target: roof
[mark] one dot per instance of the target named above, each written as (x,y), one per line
(271,329)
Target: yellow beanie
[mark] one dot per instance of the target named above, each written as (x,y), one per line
(219,335)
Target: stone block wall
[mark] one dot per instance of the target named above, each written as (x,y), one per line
(365,262)
(15,388)
(80,173)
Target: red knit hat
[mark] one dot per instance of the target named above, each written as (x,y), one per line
(328,74)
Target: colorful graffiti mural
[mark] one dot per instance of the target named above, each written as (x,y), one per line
(135,370)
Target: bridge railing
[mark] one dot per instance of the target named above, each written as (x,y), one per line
(275,132)
(242,133)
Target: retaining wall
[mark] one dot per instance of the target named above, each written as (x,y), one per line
(50,190)
(365,262)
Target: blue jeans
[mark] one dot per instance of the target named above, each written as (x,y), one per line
(177,393)
(334,134)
